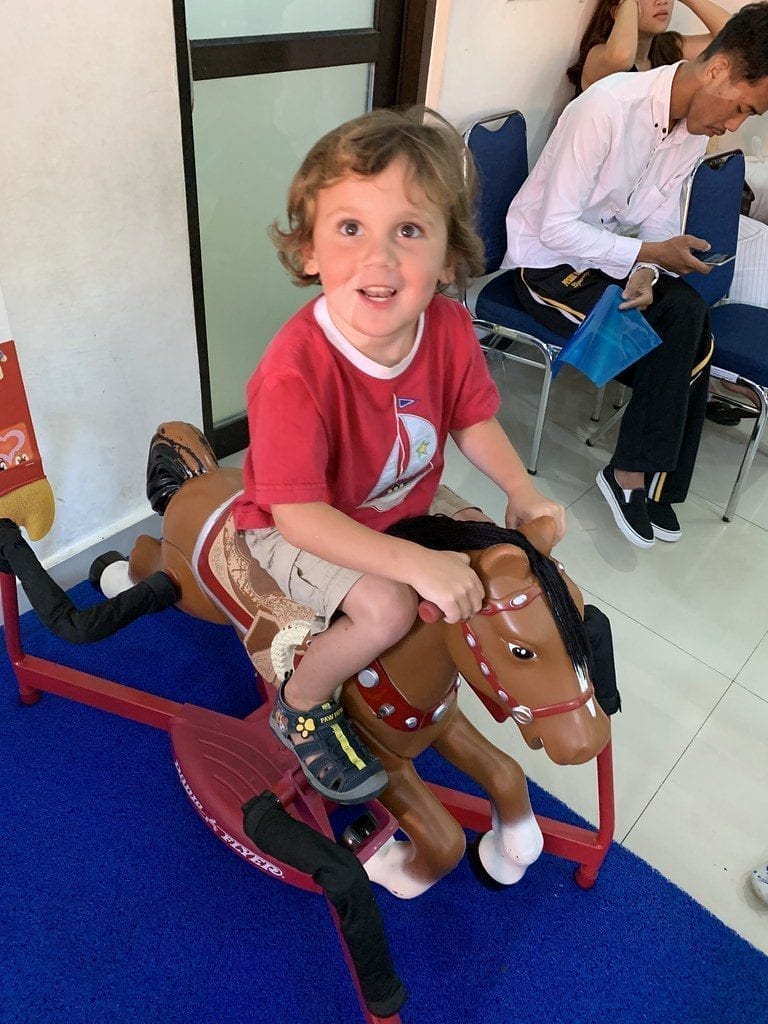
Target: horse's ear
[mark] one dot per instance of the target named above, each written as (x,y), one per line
(500,567)
(541,533)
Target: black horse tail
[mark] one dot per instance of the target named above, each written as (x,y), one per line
(177,452)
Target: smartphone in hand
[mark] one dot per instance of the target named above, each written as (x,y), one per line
(716,259)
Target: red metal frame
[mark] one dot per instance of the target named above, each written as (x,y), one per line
(36,675)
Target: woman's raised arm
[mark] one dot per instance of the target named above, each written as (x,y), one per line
(713,16)
(618,52)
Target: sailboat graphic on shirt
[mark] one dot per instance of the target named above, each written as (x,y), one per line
(409,461)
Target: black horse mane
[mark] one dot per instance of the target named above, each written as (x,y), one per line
(441,533)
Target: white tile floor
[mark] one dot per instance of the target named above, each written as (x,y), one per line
(690,625)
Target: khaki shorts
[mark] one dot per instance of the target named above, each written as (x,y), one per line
(310,580)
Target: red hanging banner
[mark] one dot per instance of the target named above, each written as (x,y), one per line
(25,494)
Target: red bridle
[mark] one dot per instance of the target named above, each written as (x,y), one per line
(387,702)
(521,713)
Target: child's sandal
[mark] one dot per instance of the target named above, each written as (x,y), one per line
(333,758)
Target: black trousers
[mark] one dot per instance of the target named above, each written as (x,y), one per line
(661,427)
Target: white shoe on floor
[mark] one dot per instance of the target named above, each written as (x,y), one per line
(760,882)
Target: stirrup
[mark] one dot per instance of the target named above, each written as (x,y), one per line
(334,759)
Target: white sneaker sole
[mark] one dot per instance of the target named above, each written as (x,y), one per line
(668,536)
(632,536)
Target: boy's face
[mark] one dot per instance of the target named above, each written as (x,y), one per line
(380,247)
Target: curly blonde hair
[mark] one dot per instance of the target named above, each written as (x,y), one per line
(366,146)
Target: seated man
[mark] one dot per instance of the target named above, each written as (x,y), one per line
(603,205)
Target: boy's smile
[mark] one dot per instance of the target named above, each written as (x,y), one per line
(380,247)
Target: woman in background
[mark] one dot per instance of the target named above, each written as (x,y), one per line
(633,35)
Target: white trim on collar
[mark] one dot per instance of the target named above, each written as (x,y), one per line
(353,355)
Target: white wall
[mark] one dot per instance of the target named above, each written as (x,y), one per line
(5,329)
(502,54)
(94,262)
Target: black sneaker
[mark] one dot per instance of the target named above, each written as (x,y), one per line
(629,509)
(664,521)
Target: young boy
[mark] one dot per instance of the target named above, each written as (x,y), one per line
(349,412)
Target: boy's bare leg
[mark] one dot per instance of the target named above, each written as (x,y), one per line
(376,614)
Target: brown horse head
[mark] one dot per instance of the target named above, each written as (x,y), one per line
(520,663)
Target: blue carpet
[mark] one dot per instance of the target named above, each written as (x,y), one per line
(119,905)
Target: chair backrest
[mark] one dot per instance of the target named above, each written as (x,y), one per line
(711,207)
(501,158)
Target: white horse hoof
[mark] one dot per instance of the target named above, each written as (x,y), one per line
(388,867)
(507,850)
(113,577)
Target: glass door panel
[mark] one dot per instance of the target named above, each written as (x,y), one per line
(251,134)
(224,18)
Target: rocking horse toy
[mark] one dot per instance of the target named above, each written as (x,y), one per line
(525,654)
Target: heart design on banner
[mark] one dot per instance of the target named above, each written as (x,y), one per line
(11,444)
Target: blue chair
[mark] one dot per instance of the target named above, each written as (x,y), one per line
(712,204)
(501,157)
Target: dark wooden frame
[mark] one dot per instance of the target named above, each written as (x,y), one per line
(399,45)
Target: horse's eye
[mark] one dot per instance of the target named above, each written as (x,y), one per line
(523,653)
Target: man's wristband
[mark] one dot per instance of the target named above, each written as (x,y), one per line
(647,266)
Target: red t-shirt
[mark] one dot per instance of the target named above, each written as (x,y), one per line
(327,424)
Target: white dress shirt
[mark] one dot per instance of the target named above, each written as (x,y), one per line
(610,176)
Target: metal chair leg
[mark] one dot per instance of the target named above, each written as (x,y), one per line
(761,394)
(603,429)
(598,406)
(541,414)
(619,402)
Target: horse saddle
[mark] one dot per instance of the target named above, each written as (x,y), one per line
(272,626)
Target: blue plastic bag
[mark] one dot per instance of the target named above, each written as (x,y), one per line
(608,340)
